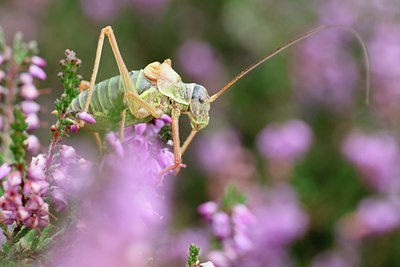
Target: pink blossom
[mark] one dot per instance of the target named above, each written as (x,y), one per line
(140,128)
(5,169)
(86,117)
(207,264)
(29,107)
(167,119)
(36,173)
(207,209)
(33,144)
(379,215)
(221,225)
(26,78)
(39,61)
(33,121)
(74,128)
(29,91)
(287,141)
(376,156)
(37,72)
(68,153)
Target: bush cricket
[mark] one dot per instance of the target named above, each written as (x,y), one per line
(157,89)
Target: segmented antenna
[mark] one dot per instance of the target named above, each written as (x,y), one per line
(298,39)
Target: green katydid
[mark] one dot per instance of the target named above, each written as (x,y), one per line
(158,89)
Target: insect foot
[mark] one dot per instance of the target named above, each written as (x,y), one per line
(176,167)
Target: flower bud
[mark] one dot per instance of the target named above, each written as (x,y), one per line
(39,61)
(86,117)
(37,72)
(29,107)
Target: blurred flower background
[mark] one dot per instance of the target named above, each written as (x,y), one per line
(319,167)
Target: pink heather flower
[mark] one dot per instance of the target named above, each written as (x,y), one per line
(221,225)
(68,153)
(37,72)
(167,119)
(288,141)
(140,128)
(33,144)
(158,124)
(1,122)
(74,128)
(35,188)
(379,215)
(59,177)
(376,156)
(334,86)
(1,58)
(242,217)
(22,214)
(58,199)
(29,107)
(33,121)
(39,61)
(207,209)
(281,219)
(8,216)
(36,173)
(207,264)
(26,78)
(86,117)
(39,161)
(219,258)
(29,91)
(13,180)
(166,157)
(115,144)
(5,169)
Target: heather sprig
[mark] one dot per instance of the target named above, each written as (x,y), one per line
(19,68)
(70,80)
(18,138)
(193,258)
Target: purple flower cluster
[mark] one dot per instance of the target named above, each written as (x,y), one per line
(328,78)
(68,175)
(376,156)
(259,237)
(29,92)
(385,54)
(231,229)
(283,144)
(286,142)
(141,144)
(125,214)
(375,215)
(23,84)
(22,200)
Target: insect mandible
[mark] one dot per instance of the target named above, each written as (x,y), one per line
(158,89)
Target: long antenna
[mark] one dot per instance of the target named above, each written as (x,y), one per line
(298,39)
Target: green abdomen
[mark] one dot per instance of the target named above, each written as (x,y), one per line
(107,102)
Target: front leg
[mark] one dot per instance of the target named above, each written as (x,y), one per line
(177,147)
